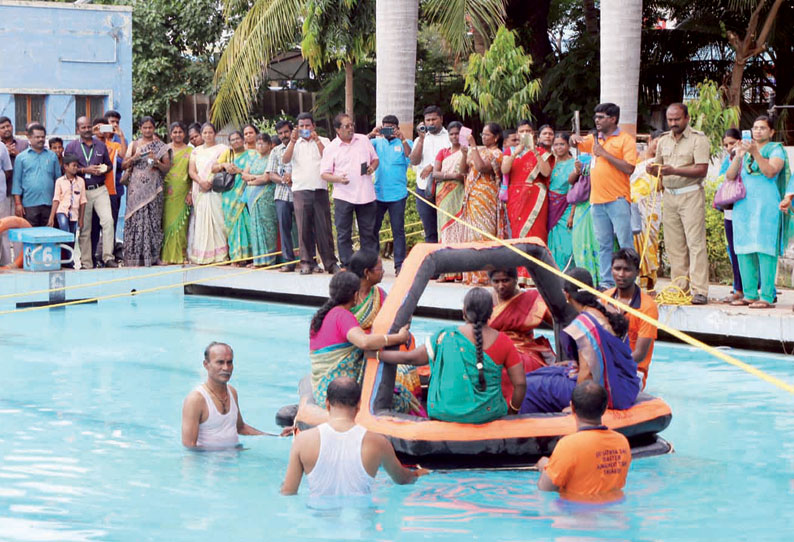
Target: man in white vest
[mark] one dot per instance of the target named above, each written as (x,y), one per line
(339,457)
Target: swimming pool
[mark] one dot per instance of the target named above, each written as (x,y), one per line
(90,406)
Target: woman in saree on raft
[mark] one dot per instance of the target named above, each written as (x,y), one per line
(337,343)
(527,168)
(466,365)
(235,211)
(597,348)
(448,192)
(368,267)
(517,313)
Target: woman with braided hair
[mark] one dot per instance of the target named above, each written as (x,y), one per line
(596,346)
(337,343)
(466,364)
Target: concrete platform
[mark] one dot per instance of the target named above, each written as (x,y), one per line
(716,324)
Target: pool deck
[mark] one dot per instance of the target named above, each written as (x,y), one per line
(715,323)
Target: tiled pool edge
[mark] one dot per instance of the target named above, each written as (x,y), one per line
(714,324)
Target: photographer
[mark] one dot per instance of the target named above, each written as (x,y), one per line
(432,138)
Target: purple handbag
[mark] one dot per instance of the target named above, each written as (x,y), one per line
(729,193)
(580,192)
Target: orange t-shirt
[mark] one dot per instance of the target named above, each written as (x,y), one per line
(607,183)
(110,177)
(590,462)
(640,328)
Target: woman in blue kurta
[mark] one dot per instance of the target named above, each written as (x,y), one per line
(559,220)
(760,230)
(596,345)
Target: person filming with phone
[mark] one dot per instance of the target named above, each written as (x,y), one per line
(432,138)
(391,181)
(614,157)
(348,162)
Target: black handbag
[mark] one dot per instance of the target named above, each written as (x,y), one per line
(223,181)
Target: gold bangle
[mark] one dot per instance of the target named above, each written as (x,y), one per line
(510,404)
(386,337)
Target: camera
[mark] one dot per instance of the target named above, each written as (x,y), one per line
(387,131)
(423,129)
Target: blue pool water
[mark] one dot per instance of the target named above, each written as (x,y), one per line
(90,402)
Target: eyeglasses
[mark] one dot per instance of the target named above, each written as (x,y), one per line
(599,117)
(346,126)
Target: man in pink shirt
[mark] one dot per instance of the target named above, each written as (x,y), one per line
(348,162)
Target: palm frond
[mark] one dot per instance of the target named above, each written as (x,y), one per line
(269,27)
(456,17)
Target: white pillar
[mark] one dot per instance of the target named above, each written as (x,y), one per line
(396,27)
(621,28)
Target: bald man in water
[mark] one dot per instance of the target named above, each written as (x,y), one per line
(210,416)
(349,458)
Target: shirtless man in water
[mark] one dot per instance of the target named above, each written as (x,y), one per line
(210,416)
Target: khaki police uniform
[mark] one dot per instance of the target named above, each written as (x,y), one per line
(684,210)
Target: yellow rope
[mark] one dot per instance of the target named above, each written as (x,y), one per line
(164,287)
(674,295)
(785,386)
(160,273)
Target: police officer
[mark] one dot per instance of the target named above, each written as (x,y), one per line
(682,159)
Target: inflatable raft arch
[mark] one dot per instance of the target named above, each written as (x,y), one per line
(512,441)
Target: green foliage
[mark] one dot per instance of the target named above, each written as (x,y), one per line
(719,264)
(340,31)
(173,51)
(436,79)
(458,20)
(330,100)
(710,115)
(499,84)
(268,126)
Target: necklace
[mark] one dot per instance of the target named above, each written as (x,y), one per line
(224,408)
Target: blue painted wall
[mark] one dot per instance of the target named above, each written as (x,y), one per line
(63,50)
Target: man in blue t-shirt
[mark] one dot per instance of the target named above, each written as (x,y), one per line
(391,181)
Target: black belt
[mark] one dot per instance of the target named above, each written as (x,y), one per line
(94,186)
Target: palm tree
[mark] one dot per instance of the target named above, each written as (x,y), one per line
(273,26)
(396,26)
(621,25)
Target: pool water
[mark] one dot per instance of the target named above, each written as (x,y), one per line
(90,405)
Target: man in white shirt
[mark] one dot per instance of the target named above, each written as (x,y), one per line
(432,137)
(310,195)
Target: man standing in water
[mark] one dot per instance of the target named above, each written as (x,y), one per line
(346,462)
(210,416)
(594,460)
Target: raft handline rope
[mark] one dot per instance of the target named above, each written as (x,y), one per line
(162,273)
(785,386)
(163,287)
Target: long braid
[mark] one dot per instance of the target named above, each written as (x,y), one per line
(477,309)
(478,344)
(342,290)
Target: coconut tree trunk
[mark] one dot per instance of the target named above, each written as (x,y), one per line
(396,27)
(349,90)
(621,25)
(590,17)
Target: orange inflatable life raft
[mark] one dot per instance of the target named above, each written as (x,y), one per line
(511,441)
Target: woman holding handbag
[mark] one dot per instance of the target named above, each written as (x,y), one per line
(583,239)
(235,210)
(761,231)
(207,237)
(729,142)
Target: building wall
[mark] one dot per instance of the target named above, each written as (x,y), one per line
(61,51)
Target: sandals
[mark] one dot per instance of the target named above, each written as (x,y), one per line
(760,304)
(741,302)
